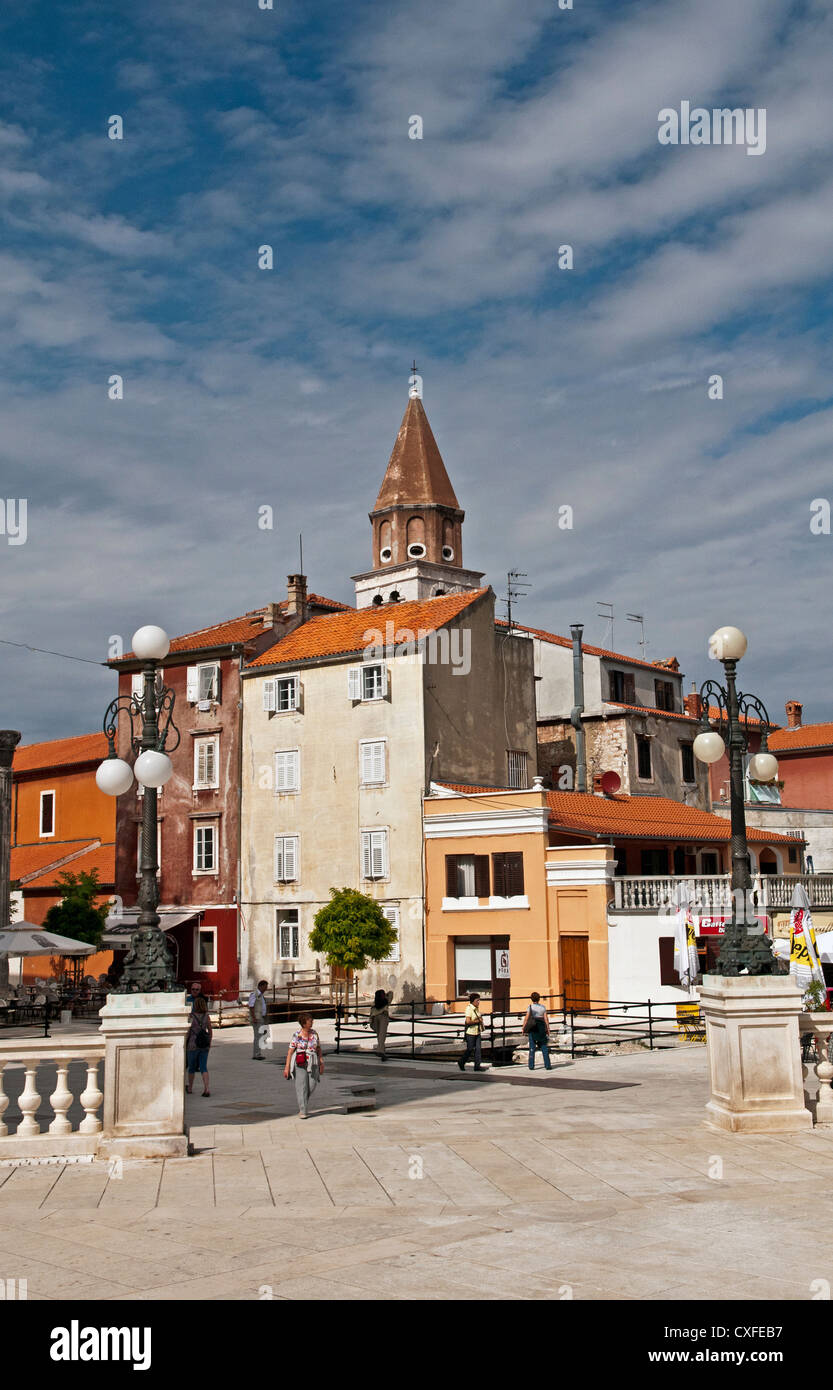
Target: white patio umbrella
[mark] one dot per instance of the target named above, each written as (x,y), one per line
(805,962)
(28,939)
(686,960)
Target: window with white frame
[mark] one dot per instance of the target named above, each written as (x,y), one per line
(137,685)
(374,854)
(205,849)
(203,683)
(205,948)
(288,933)
(517,768)
(281,694)
(47,813)
(206,761)
(158,849)
(392,914)
(371,761)
(286,858)
(288,770)
(368,682)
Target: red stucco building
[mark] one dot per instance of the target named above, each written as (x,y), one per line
(199,807)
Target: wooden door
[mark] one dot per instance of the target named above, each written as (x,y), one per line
(501,983)
(575,972)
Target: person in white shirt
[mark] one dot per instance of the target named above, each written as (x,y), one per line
(257,1017)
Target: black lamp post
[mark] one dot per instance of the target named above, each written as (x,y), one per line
(745,948)
(148,966)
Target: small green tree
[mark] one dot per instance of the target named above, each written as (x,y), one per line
(351,930)
(75,916)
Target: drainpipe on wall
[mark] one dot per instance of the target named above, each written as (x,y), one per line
(576,630)
(239,895)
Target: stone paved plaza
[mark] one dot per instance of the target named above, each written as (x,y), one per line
(596,1182)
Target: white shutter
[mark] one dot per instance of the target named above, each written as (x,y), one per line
(383,673)
(379,856)
(378,769)
(366,751)
(367,857)
(299,695)
(286,771)
(290,857)
(392,914)
(269,695)
(354,683)
(278,858)
(137,684)
(192,684)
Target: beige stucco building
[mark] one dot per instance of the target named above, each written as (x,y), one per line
(348,720)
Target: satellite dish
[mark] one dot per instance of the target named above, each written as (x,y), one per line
(611,782)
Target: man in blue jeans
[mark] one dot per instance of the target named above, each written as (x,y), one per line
(537,1029)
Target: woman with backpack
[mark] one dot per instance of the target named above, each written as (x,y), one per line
(198,1042)
(537,1029)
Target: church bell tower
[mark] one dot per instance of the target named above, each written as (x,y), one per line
(417,522)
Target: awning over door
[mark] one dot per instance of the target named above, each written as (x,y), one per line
(119,928)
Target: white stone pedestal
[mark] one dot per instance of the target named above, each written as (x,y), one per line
(754,1054)
(144,1076)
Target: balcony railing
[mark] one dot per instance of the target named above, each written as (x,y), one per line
(713,893)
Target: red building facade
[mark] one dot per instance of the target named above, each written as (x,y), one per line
(199,807)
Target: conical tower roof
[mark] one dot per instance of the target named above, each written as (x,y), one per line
(416,473)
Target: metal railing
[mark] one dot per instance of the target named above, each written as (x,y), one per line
(416,1033)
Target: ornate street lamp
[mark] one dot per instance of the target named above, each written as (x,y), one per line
(148,966)
(745,948)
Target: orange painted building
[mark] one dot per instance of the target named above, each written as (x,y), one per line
(61,823)
(562,892)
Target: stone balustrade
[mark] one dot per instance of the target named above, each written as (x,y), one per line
(771,892)
(84,1055)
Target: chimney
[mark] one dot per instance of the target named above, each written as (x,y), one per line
(794,708)
(576,713)
(296,595)
(692,704)
(272,615)
(598,789)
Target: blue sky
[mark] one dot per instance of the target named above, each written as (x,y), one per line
(286,387)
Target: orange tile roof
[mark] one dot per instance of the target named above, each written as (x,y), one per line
(37,858)
(804,738)
(555,640)
(635,817)
(60,752)
(714,714)
(339,634)
(102,858)
(645,817)
(237,630)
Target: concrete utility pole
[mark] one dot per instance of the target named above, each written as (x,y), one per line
(9,739)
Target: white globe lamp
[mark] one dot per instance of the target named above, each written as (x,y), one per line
(763,767)
(727,644)
(151,643)
(114,777)
(709,747)
(153,769)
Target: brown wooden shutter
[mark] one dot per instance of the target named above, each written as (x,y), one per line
(514,875)
(667,974)
(499,875)
(629,696)
(481,876)
(451,875)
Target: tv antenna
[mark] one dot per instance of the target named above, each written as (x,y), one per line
(608,617)
(638,618)
(516,583)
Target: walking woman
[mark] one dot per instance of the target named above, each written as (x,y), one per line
(304,1062)
(200,1034)
(537,1028)
(380,1018)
